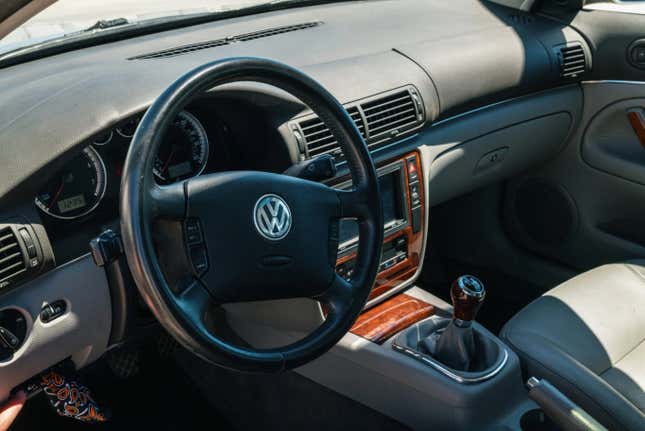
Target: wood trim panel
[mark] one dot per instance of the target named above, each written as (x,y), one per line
(396,275)
(638,124)
(390,317)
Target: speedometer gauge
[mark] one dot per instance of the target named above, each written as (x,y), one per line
(77,190)
(183,153)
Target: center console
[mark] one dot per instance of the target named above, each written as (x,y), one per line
(395,358)
(401,187)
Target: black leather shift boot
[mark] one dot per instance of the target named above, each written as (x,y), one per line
(454,346)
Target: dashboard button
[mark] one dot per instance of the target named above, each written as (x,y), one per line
(413,173)
(415,195)
(9,339)
(53,311)
(416,219)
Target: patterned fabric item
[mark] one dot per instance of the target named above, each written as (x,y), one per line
(71,399)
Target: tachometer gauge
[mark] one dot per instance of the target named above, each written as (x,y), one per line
(183,152)
(128,128)
(77,190)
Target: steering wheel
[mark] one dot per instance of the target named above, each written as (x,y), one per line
(257,235)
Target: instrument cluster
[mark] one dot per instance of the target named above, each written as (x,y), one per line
(79,188)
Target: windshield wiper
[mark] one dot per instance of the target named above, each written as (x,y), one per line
(107,23)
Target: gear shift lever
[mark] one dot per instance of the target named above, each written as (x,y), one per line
(455,346)
(467,294)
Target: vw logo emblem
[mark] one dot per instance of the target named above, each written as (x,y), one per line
(272,217)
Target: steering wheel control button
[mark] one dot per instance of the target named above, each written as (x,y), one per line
(53,311)
(193,232)
(272,217)
(199,258)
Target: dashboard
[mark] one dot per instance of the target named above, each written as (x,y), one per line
(77,129)
(470,91)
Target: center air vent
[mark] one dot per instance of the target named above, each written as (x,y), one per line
(572,59)
(380,119)
(246,37)
(319,139)
(12,262)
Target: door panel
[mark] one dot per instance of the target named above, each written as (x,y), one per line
(611,144)
(589,206)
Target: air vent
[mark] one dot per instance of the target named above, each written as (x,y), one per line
(12,262)
(390,116)
(387,118)
(186,49)
(573,61)
(319,139)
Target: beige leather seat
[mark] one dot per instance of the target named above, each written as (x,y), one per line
(587,337)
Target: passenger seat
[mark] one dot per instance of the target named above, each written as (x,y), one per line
(587,337)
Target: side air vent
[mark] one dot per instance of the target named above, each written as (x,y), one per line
(186,49)
(12,262)
(380,119)
(572,59)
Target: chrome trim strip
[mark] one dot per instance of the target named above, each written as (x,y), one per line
(613,81)
(448,372)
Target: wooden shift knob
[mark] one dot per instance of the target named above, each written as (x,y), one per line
(467,294)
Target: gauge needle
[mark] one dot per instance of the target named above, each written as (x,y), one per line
(165,166)
(58,192)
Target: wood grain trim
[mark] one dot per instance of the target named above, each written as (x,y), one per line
(638,124)
(390,317)
(396,275)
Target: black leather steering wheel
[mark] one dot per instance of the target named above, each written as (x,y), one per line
(263,236)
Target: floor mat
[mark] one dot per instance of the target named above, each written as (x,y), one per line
(505,295)
(159,398)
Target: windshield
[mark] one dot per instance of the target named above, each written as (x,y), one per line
(67,17)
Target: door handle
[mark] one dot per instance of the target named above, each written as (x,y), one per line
(637,120)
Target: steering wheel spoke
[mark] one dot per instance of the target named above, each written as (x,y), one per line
(194,301)
(353,203)
(168,202)
(338,297)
